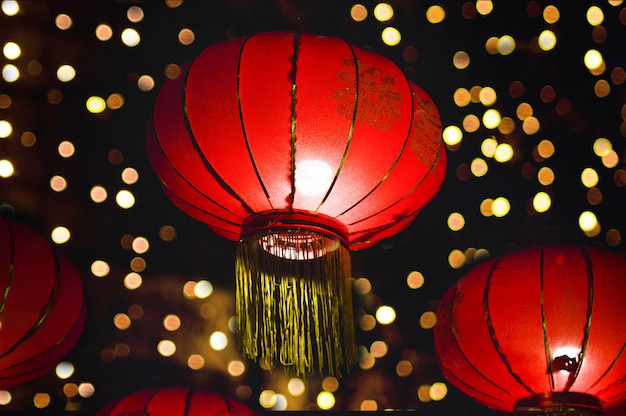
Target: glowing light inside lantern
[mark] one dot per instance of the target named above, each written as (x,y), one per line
(313,177)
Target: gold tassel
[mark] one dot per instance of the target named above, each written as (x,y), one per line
(294,302)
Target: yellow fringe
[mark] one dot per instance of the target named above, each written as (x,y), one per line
(296,312)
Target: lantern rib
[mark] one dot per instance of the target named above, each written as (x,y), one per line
(188,182)
(492,331)
(243,127)
(148,400)
(468,361)
(11,264)
(544,325)
(608,370)
(196,146)
(45,312)
(188,399)
(352,125)
(395,162)
(294,100)
(399,200)
(590,295)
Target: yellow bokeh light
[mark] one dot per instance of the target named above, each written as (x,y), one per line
(6,169)
(368,405)
(491,118)
(195,361)
(60,235)
(5,129)
(484,7)
(267,398)
(166,347)
(145,83)
(587,221)
(456,221)
(100,268)
(415,280)
(488,147)
(330,384)
(66,73)
(542,202)
(479,167)
(41,400)
(435,14)
(611,159)
(296,387)
(385,315)
(11,50)
(236,368)
(10,73)
(98,194)
(171,322)
(203,289)
(140,245)
(438,391)
(186,36)
(134,14)
(551,14)
(121,321)
(506,45)
(404,368)
(391,36)
(63,21)
(452,135)
(545,176)
(595,16)
(325,400)
(379,349)
(471,123)
(504,152)
(428,320)
(130,37)
(104,32)
(383,12)
(115,101)
(86,390)
(593,59)
(423,393)
(462,97)
(96,104)
(456,259)
(66,149)
(64,370)
(523,111)
(58,183)
(10,7)
(125,199)
(602,147)
(218,340)
(132,281)
(5,397)
(487,96)
(358,12)
(500,206)
(545,148)
(461,60)
(530,125)
(589,177)
(547,40)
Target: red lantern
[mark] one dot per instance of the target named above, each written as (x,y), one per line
(175,401)
(42,313)
(538,331)
(300,147)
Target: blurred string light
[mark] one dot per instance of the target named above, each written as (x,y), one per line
(391,36)
(10,7)
(10,73)
(383,12)
(358,12)
(63,21)
(11,50)
(385,315)
(5,397)
(130,37)
(435,14)
(60,235)
(6,168)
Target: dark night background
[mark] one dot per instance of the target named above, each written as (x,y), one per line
(117,362)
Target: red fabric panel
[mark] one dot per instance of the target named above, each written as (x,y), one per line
(380,134)
(180,167)
(213,115)
(44,314)
(322,131)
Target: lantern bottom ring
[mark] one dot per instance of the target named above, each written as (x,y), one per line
(559,404)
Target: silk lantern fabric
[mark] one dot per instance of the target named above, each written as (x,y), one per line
(42,313)
(175,401)
(539,329)
(301,147)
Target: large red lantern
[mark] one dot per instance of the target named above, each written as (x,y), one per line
(175,401)
(538,331)
(42,313)
(300,147)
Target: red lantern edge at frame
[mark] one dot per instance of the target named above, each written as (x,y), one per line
(301,147)
(538,331)
(175,401)
(42,311)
